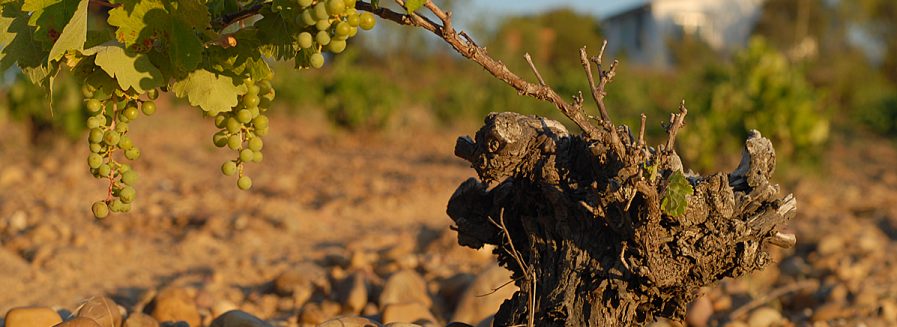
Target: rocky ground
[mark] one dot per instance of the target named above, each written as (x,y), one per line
(353,225)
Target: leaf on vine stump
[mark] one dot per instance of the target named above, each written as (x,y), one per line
(212,92)
(674,201)
(132,70)
(73,35)
(412,5)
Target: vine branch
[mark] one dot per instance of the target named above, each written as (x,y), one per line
(464,45)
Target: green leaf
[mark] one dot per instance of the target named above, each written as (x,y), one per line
(275,37)
(185,48)
(675,200)
(73,35)
(140,24)
(49,17)
(412,5)
(192,12)
(211,92)
(20,46)
(132,70)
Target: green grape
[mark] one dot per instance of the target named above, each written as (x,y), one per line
(132,153)
(321,11)
(252,90)
(244,182)
(100,119)
(220,120)
(366,21)
(353,32)
(129,177)
(342,29)
(125,143)
(219,139)
(152,94)
(353,20)
(111,137)
(261,131)
(336,7)
(229,168)
(118,206)
(148,107)
(96,148)
(337,46)
(87,91)
(131,113)
(95,136)
(104,170)
(121,127)
(234,142)
(255,144)
(260,122)
(250,101)
(94,160)
(323,25)
(244,116)
(265,86)
(308,17)
(254,112)
(127,194)
(323,38)
(233,126)
(100,209)
(257,156)
(248,81)
(316,60)
(94,106)
(350,4)
(305,40)
(92,122)
(305,3)
(246,155)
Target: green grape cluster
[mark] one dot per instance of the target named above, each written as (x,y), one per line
(242,129)
(327,25)
(110,115)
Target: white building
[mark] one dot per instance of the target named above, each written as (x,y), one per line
(641,31)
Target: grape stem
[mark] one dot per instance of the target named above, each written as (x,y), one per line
(111,150)
(464,45)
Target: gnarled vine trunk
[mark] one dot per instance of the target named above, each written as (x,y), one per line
(579,222)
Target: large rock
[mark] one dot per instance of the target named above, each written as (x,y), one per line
(353,293)
(237,318)
(481,299)
(102,310)
(138,319)
(175,304)
(409,312)
(405,286)
(32,317)
(349,321)
(78,322)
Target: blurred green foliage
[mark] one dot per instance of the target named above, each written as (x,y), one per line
(28,103)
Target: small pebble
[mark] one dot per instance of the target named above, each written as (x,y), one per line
(31,316)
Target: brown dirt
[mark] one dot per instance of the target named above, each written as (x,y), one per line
(321,194)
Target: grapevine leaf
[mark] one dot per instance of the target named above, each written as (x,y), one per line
(136,27)
(73,35)
(412,5)
(186,48)
(675,200)
(212,92)
(19,45)
(132,70)
(275,37)
(192,12)
(49,17)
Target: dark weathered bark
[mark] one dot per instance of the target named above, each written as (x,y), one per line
(583,225)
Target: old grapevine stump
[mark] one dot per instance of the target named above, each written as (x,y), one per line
(580,225)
